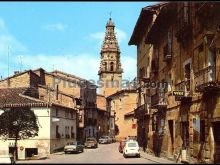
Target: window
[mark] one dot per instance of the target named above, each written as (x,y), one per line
(201,58)
(202,131)
(41,97)
(72,132)
(57,112)
(111,66)
(71,113)
(105,65)
(66,114)
(67,132)
(187,76)
(57,132)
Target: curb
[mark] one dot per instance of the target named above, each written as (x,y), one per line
(150,159)
(157,161)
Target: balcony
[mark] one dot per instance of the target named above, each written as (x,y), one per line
(205,80)
(184,26)
(184,89)
(158,101)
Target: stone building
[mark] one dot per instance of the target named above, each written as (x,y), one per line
(103,116)
(122,105)
(57,123)
(144,63)
(184,116)
(62,88)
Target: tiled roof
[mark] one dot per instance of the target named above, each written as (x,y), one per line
(18,97)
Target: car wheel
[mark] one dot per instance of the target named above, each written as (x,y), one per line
(65,152)
(124,156)
(138,155)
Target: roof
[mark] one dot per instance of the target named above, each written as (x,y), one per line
(144,20)
(129,114)
(68,76)
(21,97)
(122,91)
(164,18)
(18,74)
(16,97)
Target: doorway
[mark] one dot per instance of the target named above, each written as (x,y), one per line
(216,132)
(171,129)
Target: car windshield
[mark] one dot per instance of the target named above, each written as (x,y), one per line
(132,144)
(104,137)
(90,139)
(72,143)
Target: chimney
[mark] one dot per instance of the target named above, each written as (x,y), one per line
(16,72)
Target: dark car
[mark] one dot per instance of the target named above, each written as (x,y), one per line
(74,147)
(91,143)
(121,145)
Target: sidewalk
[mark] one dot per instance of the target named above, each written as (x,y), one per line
(159,160)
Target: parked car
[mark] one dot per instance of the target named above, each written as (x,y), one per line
(91,143)
(7,159)
(132,138)
(121,146)
(113,139)
(131,149)
(104,140)
(74,147)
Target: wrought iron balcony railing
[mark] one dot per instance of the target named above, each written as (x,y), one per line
(205,80)
(159,100)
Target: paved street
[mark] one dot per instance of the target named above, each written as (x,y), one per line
(103,154)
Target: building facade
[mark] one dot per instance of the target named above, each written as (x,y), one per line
(122,105)
(103,116)
(57,124)
(61,88)
(184,115)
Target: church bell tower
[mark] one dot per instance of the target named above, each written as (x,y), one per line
(110,72)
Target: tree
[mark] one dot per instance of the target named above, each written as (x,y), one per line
(18,123)
(116,129)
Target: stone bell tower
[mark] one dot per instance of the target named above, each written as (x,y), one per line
(110,72)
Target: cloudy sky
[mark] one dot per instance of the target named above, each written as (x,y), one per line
(64,35)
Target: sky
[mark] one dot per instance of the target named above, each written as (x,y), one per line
(65,36)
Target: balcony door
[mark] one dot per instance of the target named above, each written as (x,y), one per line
(187,69)
(211,64)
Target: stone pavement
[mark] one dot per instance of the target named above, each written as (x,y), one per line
(159,160)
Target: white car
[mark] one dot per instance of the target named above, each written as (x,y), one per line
(131,149)
(6,159)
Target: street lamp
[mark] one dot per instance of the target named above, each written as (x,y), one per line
(99,131)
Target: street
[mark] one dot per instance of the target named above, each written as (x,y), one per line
(103,154)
